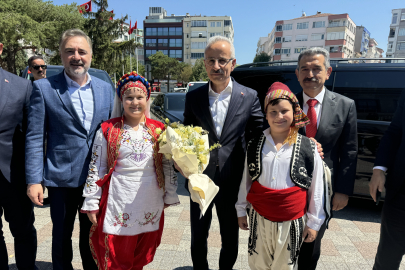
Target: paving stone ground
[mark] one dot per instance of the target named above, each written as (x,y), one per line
(350,243)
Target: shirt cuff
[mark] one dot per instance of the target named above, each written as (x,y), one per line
(241,212)
(314,223)
(382,168)
(90,204)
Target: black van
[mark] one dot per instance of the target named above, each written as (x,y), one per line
(53,70)
(375,88)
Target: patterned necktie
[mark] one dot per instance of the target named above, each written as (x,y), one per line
(312,127)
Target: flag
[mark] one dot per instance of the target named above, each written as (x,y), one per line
(87,7)
(133,28)
(112,11)
(130,28)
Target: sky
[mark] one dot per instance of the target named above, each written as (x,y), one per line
(256,18)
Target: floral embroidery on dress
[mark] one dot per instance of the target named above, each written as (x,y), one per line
(93,177)
(121,219)
(149,217)
(137,144)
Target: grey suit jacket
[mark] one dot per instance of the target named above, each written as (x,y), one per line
(244,120)
(337,132)
(14,101)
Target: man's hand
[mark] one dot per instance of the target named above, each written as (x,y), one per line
(377,182)
(36,193)
(178,168)
(309,234)
(339,201)
(93,218)
(318,146)
(243,224)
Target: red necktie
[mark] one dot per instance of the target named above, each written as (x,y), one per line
(311,128)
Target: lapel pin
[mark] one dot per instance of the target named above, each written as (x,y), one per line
(242,93)
(6,80)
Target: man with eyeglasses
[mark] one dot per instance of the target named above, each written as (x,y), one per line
(14,203)
(231,113)
(37,67)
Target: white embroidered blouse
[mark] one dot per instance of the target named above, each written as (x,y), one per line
(135,201)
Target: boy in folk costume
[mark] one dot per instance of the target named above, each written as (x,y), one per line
(283,181)
(129,183)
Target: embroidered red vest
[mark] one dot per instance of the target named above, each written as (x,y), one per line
(112,130)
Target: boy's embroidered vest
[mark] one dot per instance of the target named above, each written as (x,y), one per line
(112,130)
(302,160)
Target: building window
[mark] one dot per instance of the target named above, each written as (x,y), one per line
(199,24)
(163,43)
(303,25)
(403,17)
(401,32)
(218,24)
(120,36)
(214,34)
(335,35)
(176,53)
(318,24)
(285,51)
(198,45)
(212,24)
(163,31)
(278,40)
(279,27)
(187,24)
(150,42)
(335,23)
(392,33)
(287,27)
(317,36)
(287,39)
(299,50)
(394,18)
(188,36)
(277,51)
(390,46)
(301,37)
(165,52)
(179,31)
(126,37)
(197,55)
(150,52)
(401,46)
(176,43)
(227,22)
(334,49)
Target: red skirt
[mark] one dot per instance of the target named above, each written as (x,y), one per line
(116,252)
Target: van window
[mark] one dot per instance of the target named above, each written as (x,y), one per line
(376,93)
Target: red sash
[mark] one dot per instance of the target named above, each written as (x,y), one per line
(278,205)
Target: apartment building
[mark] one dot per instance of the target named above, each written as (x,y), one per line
(198,29)
(361,41)
(137,35)
(396,37)
(334,32)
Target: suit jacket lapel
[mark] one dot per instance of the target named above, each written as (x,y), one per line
(328,107)
(205,109)
(300,98)
(64,95)
(96,105)
(234,105)
(3,93)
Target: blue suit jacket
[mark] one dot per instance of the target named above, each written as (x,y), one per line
(244,120)
(52,116)
(14,101)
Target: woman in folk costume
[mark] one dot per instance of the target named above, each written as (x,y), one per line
(129,183)
(283,182)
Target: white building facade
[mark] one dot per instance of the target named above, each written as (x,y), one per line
(396,37)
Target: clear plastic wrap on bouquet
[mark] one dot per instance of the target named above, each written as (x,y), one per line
(189,148)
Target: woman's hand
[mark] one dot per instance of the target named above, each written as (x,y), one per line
(93,218)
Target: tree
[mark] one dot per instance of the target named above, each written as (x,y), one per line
(262,57)
(163,66)
(198,71)
(107,55)
(127,68)
(184,73)
(33,24)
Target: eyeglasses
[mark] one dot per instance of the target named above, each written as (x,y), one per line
(221,61)
(40,66)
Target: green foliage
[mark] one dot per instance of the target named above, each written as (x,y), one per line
(38,24)
(127,68)
(184,72)
(262,57)
(164,67)
(198,71)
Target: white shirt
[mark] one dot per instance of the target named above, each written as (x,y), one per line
(219,104)
(317,107)
(276,175)
(82,99)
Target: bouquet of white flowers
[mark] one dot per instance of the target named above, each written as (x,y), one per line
(188,146)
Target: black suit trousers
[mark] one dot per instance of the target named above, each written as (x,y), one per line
(391,248)
(228,226)
(65,204)
(18,212)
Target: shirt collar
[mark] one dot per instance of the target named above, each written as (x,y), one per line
(270,140)
(228,89)
(319,97)
(72,83)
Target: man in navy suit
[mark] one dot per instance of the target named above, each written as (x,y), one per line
(66,110)
(18,209)
(231,113)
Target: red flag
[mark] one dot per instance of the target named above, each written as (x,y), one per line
(112,11)
(87,7)
(136,23)
(130,28)
(134,28)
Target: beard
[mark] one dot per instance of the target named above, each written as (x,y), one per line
(71,70)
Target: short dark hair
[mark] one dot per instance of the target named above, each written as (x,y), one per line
(35,57)
(277,101)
